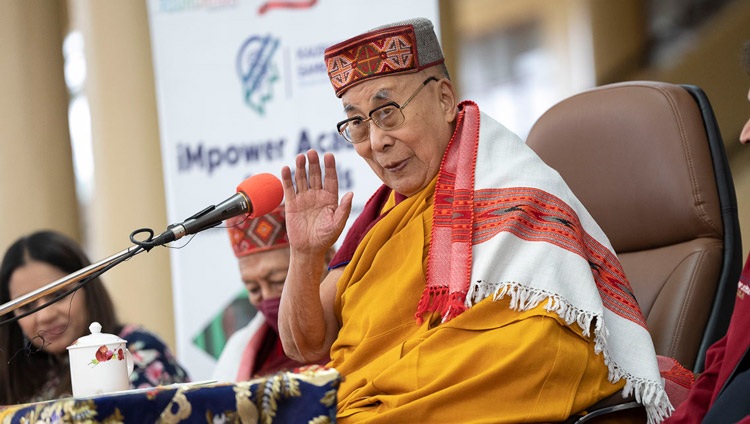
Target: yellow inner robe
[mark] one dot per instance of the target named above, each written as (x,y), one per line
(489,365)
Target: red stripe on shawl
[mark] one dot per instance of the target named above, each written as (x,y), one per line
(449,261)
(463,217)
(535,215)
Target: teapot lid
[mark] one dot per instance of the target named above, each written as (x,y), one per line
(96,338)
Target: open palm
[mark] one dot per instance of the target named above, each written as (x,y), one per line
(314,217)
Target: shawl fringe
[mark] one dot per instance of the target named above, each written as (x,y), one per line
(440,299)
(649,393)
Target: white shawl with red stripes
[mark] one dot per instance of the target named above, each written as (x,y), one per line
(506,225)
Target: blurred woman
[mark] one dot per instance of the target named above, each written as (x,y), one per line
(33,350)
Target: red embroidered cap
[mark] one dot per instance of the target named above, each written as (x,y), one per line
(398,48)
(253,235)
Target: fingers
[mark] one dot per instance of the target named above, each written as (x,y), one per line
(286,183)
(314,176)
(311,179)
(331,183)
(342,212)
(300,174)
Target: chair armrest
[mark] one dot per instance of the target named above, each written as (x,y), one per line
(614,408)
(604,412)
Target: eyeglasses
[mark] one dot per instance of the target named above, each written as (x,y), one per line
(387,117)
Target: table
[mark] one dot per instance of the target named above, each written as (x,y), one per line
(307,395)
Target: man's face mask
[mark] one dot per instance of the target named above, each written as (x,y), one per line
(270,309)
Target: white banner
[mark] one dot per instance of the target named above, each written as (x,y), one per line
(242,89)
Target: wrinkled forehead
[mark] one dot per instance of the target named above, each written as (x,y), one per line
(377,91)
(261,264)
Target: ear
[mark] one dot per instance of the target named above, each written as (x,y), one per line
(448,100)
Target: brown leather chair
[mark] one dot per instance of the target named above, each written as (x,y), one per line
(647,160)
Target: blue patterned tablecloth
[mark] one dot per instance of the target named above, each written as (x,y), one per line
(305,396)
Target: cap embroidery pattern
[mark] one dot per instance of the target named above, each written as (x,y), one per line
(252,235)
(384,53)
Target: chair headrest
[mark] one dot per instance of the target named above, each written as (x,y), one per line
(635,154)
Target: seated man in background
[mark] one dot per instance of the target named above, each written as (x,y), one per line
(722,392)
(262,250)
(474,286)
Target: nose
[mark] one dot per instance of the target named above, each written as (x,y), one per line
(380,139)
(47,315)
(268,292)
(745,134)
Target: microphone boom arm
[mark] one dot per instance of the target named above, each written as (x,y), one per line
(269,197)
(68,280)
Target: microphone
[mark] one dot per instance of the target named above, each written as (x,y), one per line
(256,196)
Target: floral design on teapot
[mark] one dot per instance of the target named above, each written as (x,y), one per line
(104,354)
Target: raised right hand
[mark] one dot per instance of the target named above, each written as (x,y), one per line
(314,217)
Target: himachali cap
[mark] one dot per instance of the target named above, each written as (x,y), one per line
(254,235)
(399,48)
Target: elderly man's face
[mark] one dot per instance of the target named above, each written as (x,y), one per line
(745,134)
(407,158)
(264,273)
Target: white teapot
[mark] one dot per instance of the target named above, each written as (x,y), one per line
(99,363)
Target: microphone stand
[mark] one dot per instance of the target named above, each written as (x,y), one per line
(70,279)
(207,218)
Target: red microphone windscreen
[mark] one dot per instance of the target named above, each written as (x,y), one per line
(264,192)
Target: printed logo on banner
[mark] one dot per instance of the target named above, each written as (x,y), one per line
(258,71)
(288,4)
(174,6)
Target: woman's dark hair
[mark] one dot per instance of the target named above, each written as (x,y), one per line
(23,368)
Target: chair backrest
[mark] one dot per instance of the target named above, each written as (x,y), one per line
(648,162)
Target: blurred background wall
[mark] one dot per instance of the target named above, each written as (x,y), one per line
(79,73)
